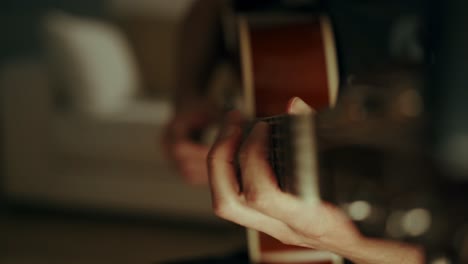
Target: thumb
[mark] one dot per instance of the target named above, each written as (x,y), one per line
(296,106)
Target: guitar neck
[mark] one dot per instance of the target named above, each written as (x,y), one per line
(292,154)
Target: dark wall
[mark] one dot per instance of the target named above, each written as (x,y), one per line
(20,22)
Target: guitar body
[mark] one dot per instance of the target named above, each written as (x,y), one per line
(280,60)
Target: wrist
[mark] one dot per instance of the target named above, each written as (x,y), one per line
(366,250)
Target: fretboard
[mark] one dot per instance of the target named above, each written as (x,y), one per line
(292,154)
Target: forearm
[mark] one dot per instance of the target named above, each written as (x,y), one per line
(377,251)
(199,48)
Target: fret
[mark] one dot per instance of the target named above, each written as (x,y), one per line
(290,145)
(278,148)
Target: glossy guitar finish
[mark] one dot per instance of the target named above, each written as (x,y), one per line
(280,60)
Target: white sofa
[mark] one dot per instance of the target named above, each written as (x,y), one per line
(114,163)
(104,152)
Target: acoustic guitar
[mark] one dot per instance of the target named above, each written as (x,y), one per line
(281,58)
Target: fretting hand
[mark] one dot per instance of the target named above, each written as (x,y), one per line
(262,206)
(188,154)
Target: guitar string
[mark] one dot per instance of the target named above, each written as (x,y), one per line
(280,154)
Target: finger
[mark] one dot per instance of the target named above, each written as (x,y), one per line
(221,160)
(175,129)
(263,194)
(259,184)
(194,172)
(249,217)
(184,124)
(227,201)
(296,106)
(187,150)
(258,179)
(312,220)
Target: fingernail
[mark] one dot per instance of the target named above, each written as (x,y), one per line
(298,106)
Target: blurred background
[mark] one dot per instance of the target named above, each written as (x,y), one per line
(86,91)
(85,88)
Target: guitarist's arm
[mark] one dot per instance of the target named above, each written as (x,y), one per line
(199,48)
(257,202)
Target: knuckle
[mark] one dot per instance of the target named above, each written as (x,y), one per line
(211,158)
(286,241)
(223,208)
(214,156)
(220,151)
(313,232)
(257,199)
(290,240)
